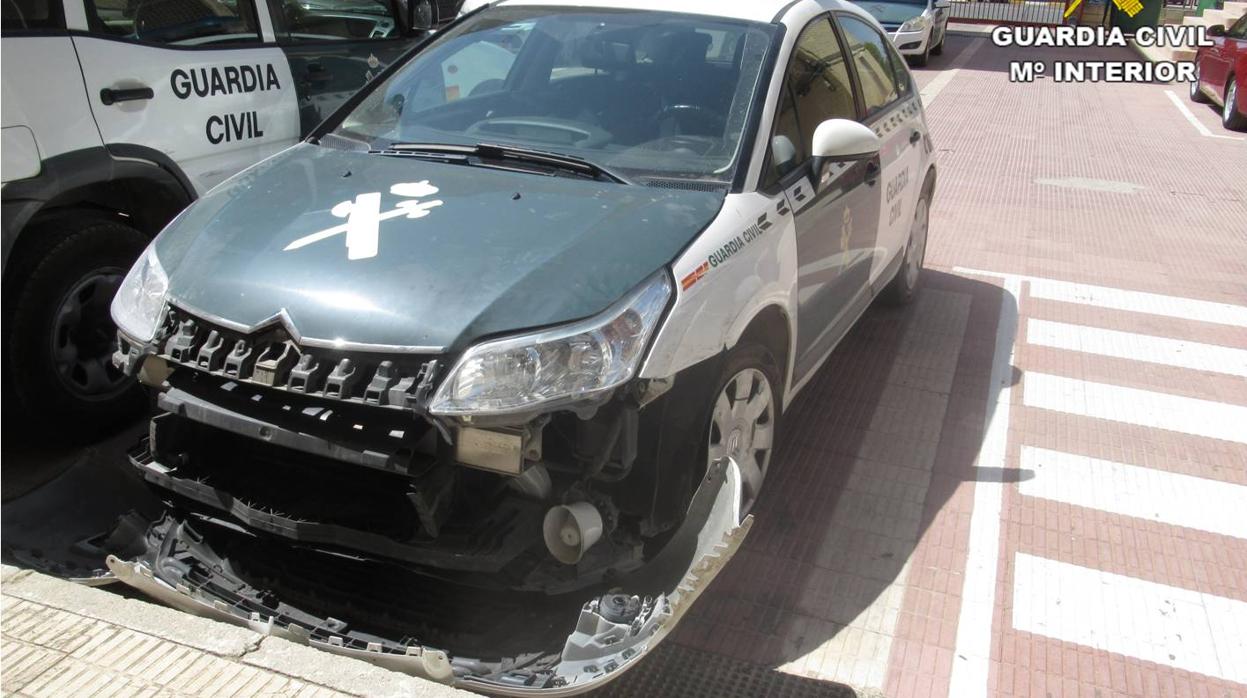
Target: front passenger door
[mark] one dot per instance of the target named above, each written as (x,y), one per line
(836,209)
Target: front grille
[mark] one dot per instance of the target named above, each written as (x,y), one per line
(271,358)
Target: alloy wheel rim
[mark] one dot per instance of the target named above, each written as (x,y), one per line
(1195,83)
(83,337)
(742,426)
(917,248)
(1231,96)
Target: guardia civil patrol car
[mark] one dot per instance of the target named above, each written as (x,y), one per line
(482,379)
(118,113)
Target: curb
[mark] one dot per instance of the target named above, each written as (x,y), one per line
(83,611)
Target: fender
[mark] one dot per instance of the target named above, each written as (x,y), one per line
(744,262)
(67,179)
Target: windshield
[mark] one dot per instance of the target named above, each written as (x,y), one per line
(651,95)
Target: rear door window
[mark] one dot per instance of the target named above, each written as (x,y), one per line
(335,20)
(31,15)
(176,22)
(872,58)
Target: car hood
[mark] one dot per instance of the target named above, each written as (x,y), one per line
(405,252)
(893,12)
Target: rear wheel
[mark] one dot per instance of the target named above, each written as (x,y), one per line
(60,340)
(1197,95)
(905,284)
(744,417)
(1231,117)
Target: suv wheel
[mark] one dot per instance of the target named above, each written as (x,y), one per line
(1231,117)
(61,337)
(905,284)
(744,417)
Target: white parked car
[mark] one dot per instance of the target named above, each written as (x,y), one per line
(916,27)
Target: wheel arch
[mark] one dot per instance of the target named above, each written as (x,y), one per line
(142,189)
(772,327)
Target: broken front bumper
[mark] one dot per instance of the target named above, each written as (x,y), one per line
(613,628)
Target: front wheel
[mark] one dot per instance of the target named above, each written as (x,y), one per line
(905,284)
(938,50)
(1231,117)
(745,416)
(61,338)
(921,60)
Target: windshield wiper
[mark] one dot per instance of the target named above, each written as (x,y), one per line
(506,153)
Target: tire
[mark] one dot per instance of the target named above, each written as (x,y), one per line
(922,60)
(59,337)
(736,432)
(1197,95)
(938,50)
(1231,117)
(904,286)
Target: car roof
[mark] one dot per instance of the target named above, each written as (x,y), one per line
(749,10)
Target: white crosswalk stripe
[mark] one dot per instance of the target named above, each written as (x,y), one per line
(1138,347)
(1144,408)
(1131,490)
(1130,301)
(1155,622)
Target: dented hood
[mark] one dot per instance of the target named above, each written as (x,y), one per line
(407,252)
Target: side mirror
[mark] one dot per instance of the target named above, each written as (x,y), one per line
(838,140)
(784,154)
(423,15)
(1216,30)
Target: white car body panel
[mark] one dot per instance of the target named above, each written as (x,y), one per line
(59,117)
(246,125)
(713,308)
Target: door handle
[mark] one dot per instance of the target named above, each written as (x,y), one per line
(110,96)
(872,173)
(914,138)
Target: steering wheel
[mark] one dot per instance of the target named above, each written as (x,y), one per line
(683,144)
(566,132)
(711,123)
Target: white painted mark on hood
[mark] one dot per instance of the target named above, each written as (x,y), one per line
(364,217)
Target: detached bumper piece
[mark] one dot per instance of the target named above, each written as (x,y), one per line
(501,643)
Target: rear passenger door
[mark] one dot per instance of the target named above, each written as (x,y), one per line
(186,80)
(892,108)
(836,209)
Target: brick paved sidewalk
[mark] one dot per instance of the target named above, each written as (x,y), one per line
(61,639)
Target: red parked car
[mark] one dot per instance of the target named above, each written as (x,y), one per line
(1221,73)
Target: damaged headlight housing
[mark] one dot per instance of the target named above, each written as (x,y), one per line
(561,364)
(140,301)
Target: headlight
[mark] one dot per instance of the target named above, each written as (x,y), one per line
(140,301)
(562,364)
(916,24)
